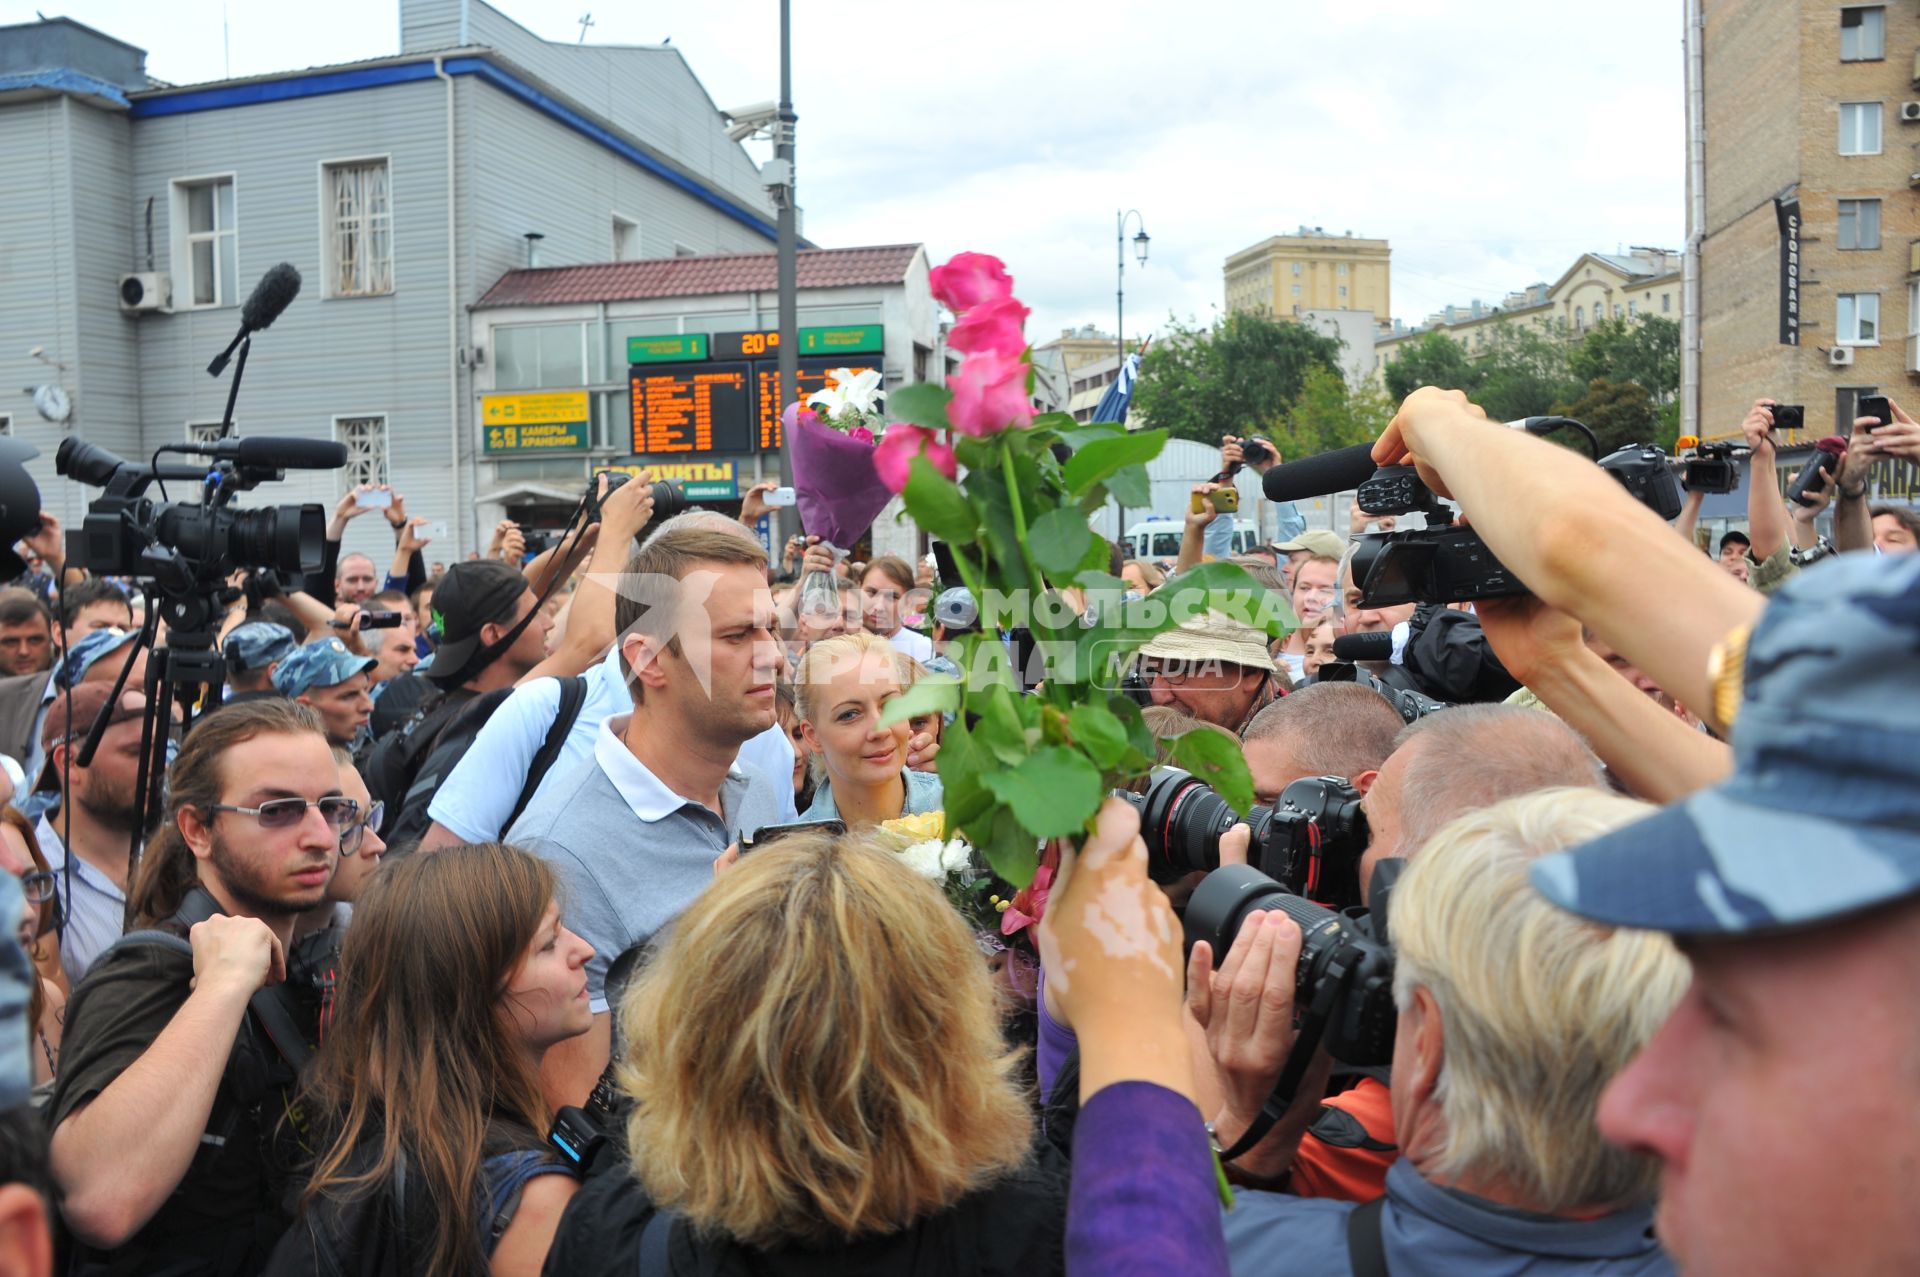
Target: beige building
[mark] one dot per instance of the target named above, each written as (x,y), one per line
(1288,275)
(1810,109)
(1597,286)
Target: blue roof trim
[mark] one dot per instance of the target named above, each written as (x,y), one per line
(64,80)
(319,84)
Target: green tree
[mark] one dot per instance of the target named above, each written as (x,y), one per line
(1328,414)
(1524,371)
(1645,352)
(1239,378)
(1431,359)
(1618,412)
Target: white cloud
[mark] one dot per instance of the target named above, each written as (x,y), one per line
(1490,141)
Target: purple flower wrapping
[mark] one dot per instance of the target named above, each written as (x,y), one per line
(835,486)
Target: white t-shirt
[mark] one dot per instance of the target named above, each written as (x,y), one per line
(913,643)
(477,797)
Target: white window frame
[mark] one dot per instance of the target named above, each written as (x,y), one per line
(206,431)
(329,268)
(349,478)
(183,240)
(1296,270)
(1838,224)
(1862,9)
(1343,292)
(622,226)
(1633,310)
(1666,303)
(1913,325)
(1879,127)
(1841,335)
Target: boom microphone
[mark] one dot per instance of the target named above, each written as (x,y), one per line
(275,291)
(269,452)
(1320,475)
(1375,645)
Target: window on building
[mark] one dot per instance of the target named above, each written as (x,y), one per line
(1666,303)
(359,228)
(1863,33)
(1616,310)
(1579,316)
(1859,128)
(1913,325)
(1343,268)
(683,250)
(203,432)
(1343,292)
(626,239)
(1296,270)
(1633,310)
(1296,290)
(204,247)
(1857,319)
(535,356)
(1859,224)
(6,425)
(366,440)
(1846,406)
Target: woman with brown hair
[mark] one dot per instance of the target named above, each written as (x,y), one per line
(456,976)
(837,1097)
(20,856)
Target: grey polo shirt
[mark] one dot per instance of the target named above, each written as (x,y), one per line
(630,853)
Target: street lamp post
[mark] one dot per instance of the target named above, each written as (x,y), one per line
(1140,243)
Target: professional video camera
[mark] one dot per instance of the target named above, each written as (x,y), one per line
(1710,467)
(1310,840)
(1346,965)
(1444,562)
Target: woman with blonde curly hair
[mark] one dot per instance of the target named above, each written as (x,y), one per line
(836,1098)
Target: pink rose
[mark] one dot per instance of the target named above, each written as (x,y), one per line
(861,433)
(995,326)
(989,394)
(969,279)
(795,414)
(893,455)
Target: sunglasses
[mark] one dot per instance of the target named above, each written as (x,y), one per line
(285,813)
(353,835)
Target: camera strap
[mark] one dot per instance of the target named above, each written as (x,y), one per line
(1328,995)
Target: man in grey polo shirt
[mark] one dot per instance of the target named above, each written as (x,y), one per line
(633,831)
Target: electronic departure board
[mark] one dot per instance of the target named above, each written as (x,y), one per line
(692,408)
(813,377)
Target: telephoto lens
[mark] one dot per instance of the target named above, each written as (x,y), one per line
(1339,960)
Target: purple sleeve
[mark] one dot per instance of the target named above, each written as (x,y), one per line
(1143,1199)
(1055,1045)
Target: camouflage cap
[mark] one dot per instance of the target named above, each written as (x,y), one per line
(256,645)
(1821,817)
(70,669)
(321,663)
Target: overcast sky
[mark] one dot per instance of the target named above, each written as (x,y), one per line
(1490,141)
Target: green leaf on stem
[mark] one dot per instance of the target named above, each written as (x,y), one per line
(1078,436)
(1140,737)
(1130,485)
(934,693)
(1059,539)
(1053,793)
(1000,729)
(923,403)
(936,504)
(1058,422)
(1216,759)
(1100,735)
(1013,851)
(1102,458)
(961,764)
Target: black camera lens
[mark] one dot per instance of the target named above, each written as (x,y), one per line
(1337,957)
(668,500)
(1181,820)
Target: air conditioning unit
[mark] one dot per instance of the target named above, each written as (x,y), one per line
(1909,112)
(146,291)
(1840,357)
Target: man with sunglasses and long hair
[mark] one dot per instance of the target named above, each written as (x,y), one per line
(175,1134)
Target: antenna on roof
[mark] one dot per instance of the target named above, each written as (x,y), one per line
(586,20)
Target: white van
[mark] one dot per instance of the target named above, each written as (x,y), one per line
(1160,538)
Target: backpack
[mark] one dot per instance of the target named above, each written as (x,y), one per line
(410,823)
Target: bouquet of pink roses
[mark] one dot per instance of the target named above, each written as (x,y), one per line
(1019,770)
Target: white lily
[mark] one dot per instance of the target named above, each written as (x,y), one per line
(859,391)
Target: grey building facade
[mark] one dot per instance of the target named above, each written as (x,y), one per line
(401,187)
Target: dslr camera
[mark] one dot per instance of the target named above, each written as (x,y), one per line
(1345,975)
(1310,841)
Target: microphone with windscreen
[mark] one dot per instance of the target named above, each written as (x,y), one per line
(275,291)
(271,452)
(1375,645)
(1320,475)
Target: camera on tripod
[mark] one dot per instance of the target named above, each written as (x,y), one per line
(1310,841)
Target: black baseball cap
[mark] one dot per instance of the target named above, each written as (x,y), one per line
(469,596)
(1735,534)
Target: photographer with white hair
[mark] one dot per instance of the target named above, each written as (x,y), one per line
(1512,1020)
